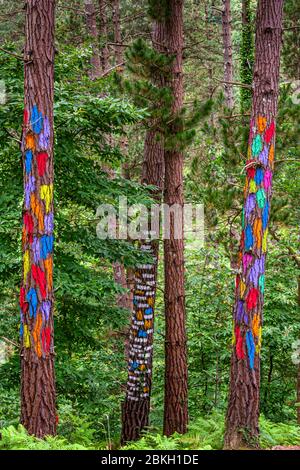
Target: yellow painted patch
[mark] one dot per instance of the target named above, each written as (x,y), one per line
(26,337)
(26,264)
(252,187)
(264,241)
(242,289)
(47,195)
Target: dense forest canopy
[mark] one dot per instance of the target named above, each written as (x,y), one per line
(118,110)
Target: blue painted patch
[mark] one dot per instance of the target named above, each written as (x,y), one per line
(250,348)
(47,242)
(32,299)
(265,216)
(28,161)
(36,120)
(259,175)
(248,237)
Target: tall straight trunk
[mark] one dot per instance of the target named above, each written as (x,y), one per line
(104,53)
(117,32)
(298,375)
(136,407)
(228,61)
(243,407)
(246,56)
(91,23)
(38,410)
(176,389)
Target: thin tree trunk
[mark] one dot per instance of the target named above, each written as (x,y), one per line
(91,23)
(103,35)
(246,56)
(228,60)
(117,31)
(243,408)
(136,407)
(176,390)
(298,375)
(38,410)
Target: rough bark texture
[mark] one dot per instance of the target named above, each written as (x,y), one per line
(136,407)
(91,22)
(228,61)
(246,56)
(298,375)
(175,405)
(38,411)
(103,35)
(117,32)
(243,407)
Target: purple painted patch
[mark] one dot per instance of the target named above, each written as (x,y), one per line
(257,269)
(247,258)
(29,188)
(250,204)
(240,311)
(49,222)
(263,156)
(45,309)
(36,250)
(44,137)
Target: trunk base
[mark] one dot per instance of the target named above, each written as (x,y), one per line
(135,418)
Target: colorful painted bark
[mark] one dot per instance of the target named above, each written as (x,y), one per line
(243,407)
(136,407)
(38,411)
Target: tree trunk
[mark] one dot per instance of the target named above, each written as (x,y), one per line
(91,23)
(103,35)
(228,61)
(117,32)
(243,408)
(38,411)
(136,407)
(175,406)
(246,56)
(298,375)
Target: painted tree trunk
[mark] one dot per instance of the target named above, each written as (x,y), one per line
(38,411)
(117,32)
(91,22)
(228,61)
(298,375)
(175,401)
(246,56)
(136,407)
(243,407)
(103,35)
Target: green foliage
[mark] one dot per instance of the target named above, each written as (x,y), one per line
(18,439)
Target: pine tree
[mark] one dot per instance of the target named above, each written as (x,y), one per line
(243,407)
(246,56)
(176,386)
(228,59)
(38,411)
(136,407)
